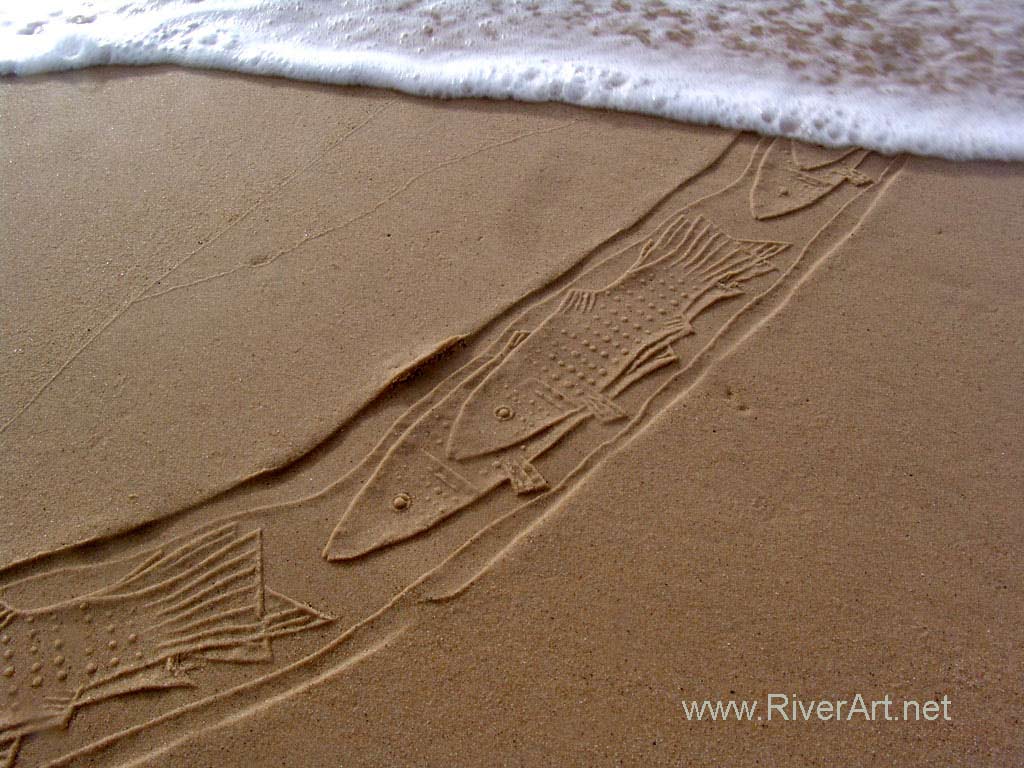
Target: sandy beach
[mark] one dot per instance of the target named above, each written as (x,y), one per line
(232,315)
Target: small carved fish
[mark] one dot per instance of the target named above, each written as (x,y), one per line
(598,343)
(793,176)
(203,600)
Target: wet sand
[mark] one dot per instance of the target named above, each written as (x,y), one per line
(220,292)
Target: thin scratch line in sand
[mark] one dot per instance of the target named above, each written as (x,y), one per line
(141,295)
(360,216)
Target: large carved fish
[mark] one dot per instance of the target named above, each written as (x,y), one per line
(597,343)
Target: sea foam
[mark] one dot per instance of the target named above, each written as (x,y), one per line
(933,77)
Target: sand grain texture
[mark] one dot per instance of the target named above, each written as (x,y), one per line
(828,503)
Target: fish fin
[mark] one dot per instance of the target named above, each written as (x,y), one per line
(523,475)
(207,597)
(670,331)
(156,677)
(855,177)
(664,240)
(514,340)
(167,571)
(578,300)
(247,653)
(207,593)
(674,328)
(286,616)
(601,406)
(655,359)
(9,749)
(711,257)
(701,254)
(716,293)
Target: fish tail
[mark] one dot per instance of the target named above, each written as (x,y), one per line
(738,261)
(208,597)
(283,616)
(855,177)
(667,240)
(286,616)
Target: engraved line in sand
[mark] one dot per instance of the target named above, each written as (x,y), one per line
(259,202)
(144,632)
(590,347)
(488,546)
(382,640)
(284,682)
(623,239)
(795,178)
(307,239)
(618,239)
(549,380)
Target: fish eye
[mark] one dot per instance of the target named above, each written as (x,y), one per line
(504,413)
(401,502)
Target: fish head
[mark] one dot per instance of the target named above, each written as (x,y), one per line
(789,179)
(410,491)
(503,412)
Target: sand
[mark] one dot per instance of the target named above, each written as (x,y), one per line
(235,310)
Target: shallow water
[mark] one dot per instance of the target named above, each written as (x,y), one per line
(932,77)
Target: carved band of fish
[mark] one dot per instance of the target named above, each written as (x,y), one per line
(204,600)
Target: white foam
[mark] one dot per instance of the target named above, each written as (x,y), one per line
(933,77)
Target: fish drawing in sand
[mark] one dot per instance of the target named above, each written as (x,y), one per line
(416,486)
(544,383)
(793,176)
(598,343)
(204,600)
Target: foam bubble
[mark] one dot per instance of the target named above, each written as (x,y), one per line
(893,75)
